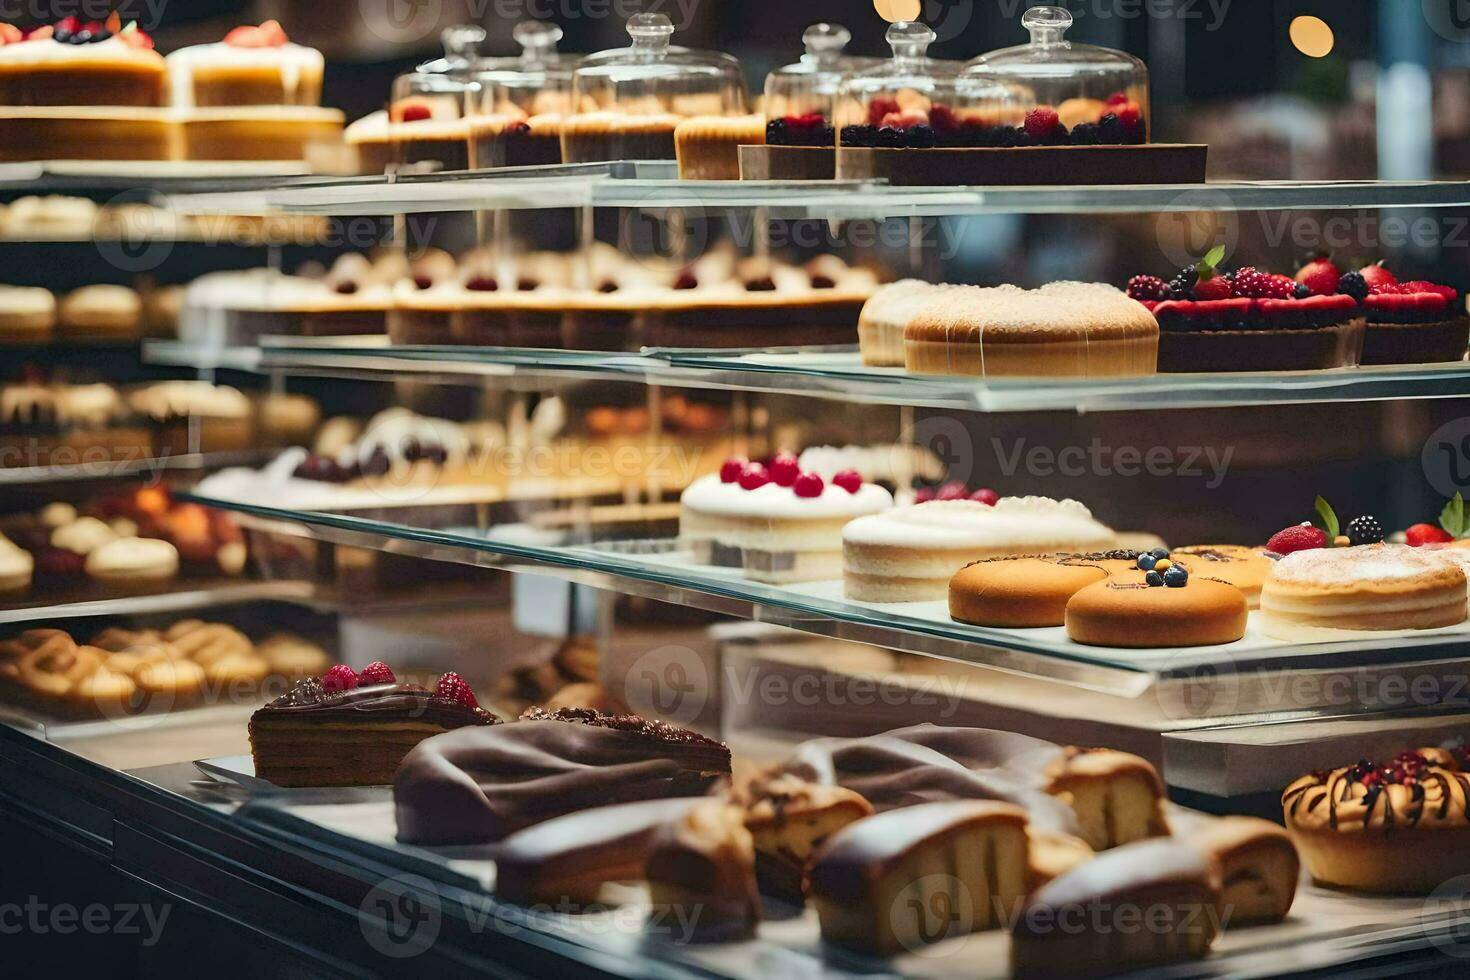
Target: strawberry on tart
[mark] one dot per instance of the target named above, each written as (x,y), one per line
(777,522)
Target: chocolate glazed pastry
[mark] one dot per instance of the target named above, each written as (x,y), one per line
(928,763)
(310,737)
(478,786)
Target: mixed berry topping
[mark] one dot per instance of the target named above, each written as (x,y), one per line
(376,672)
(889,125)
(1453,525)
(754,476)
(956,490)
(811,129)
(1159,570)
(1364,530)
(731,469)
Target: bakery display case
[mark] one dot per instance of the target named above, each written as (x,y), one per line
(675,591)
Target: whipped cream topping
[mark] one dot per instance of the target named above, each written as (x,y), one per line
(45,51)
(1359,566)
(891,462)
(1013,522)
(708,495)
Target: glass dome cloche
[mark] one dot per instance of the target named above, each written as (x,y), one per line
(518,103)
(909,101)
(1071,94)
(800,97)
(428,113)
(628,101)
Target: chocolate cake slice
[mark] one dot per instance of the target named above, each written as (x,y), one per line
(480,785)
(310,736)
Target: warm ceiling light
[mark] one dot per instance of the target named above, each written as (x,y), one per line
(1312,36)
(896,10)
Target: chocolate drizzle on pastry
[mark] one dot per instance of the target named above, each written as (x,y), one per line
(479,785)
(308,701)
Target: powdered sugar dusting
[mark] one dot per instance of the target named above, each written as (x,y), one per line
(1380,562)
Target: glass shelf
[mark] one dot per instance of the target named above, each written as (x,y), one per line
(192,596)
(148,466)
(654,184)
(1238,674)
(832,374)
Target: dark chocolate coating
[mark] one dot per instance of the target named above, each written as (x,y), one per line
(480,785)
(608,843)
(930,763)
(308,702)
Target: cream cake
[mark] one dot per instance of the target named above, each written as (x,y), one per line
(251,66)
(909,554)
(779,524)
(1317,592)
(1063,329)
(82,64)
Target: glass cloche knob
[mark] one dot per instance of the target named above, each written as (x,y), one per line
(650,30)
(461,42)
(1047,24)
(536,38)
(909,39)
(825,42)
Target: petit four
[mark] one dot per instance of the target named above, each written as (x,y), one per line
(1171,885)
(1061,329)
(778,523)
(251,66)
(350,729)
(908,878)
(1400,828)
(1368,587)
(569,858)
(1144,610)
(476,786)
(701,867)
(909,554)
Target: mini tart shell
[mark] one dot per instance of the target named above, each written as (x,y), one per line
(1124,611)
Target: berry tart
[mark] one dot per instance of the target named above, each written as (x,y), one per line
(1248,320)
(778,523)
(1408,322)
(352,729)
(1396,828)
(76,63)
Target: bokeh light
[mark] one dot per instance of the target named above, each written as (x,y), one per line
(896,10)
(1312,37)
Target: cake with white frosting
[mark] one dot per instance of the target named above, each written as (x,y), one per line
(76,63)
(909,554)
(777,523)
(251,66)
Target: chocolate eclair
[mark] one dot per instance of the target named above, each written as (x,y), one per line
(310,736)
(480,785)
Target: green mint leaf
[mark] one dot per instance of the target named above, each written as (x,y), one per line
(1329,519)
(1452,518)
(1214,255)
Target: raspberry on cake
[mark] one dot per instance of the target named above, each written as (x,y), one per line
(778,530)
(1413,323)
(909,554)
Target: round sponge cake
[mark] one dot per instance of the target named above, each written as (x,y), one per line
(1026,591)
(1124,611)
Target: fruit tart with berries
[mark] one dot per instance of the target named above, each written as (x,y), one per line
(1410,322)
(1248,320)
(1400,827)
(351,728)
